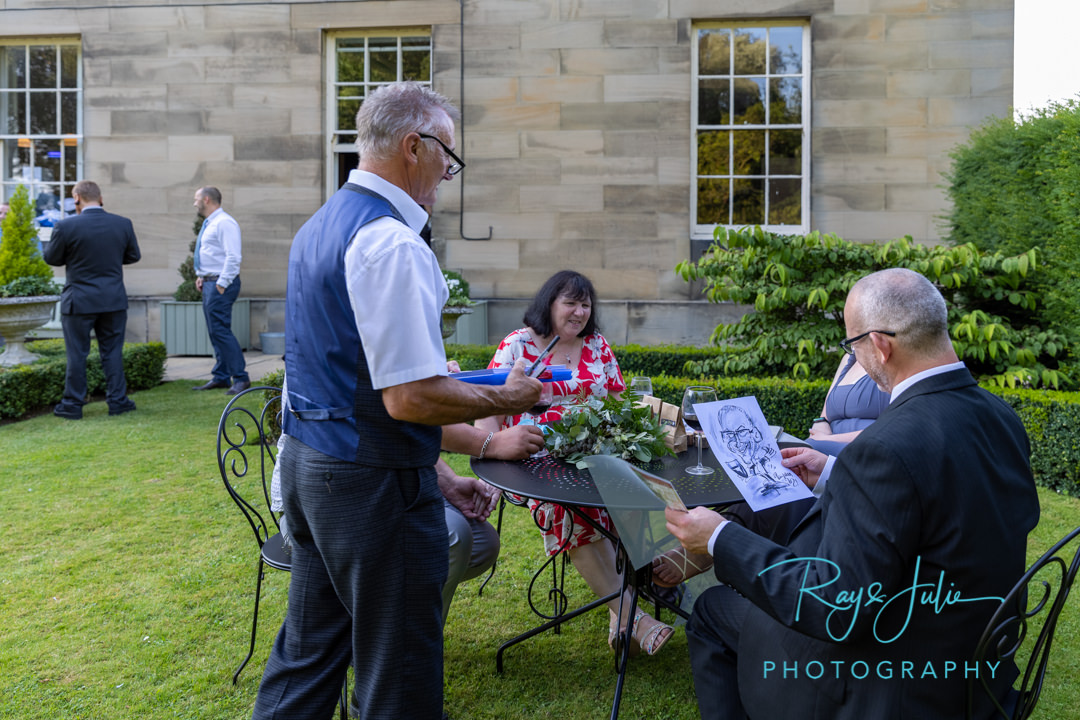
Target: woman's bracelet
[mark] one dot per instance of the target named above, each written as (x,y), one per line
(484,449)
(815,421)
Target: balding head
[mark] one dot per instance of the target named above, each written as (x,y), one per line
(904,302)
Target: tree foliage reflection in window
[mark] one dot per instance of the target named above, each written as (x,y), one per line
(750,125)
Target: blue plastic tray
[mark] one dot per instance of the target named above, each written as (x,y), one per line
(497,376)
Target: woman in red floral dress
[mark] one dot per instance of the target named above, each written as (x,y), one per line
(565,306)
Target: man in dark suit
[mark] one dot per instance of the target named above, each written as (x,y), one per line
(874,606)
(94,245)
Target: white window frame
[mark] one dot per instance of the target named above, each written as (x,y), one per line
(705,231)
(68,142)
(342,141)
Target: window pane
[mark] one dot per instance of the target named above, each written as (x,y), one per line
(712,153)
(749,152)
(714,52)
(47,158)
(785,152)
(714,102)
(384,66)
(350,65)
(13,66)
(43,66)
(414,42)
(785,101)
(749,104)
(785,50)
(346,117)
(13,113)
(712,202)
(71,160)
(750,51)
(69,66)
(69,113)
(416,66)
(749,202)
(43,113)
(785,202)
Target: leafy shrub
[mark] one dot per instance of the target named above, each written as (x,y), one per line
(30,286)
(1013,186)
(798,285)
(19,253)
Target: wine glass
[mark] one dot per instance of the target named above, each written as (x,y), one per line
(640,386)
(542,406)
(696,395)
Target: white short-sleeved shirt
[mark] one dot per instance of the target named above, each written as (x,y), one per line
(397,291)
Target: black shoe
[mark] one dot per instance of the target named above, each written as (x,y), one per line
(238,387)
(212,385)
(68,412)
(126,406)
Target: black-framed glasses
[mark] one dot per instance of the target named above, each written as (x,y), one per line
(846,343)
(455,167)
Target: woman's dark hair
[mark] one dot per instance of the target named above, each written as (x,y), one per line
(573,285)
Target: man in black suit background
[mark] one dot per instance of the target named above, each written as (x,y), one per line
(94,245)
(874,606)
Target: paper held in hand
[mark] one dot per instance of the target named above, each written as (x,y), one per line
(746,449)
(615,480)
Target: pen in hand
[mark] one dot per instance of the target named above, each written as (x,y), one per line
(543,354)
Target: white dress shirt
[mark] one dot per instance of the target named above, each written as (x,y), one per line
(219,247)
(397,291)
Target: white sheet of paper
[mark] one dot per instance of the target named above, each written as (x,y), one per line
(747,451)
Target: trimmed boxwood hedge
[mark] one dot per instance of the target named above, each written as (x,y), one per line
(1052,419)
(26,388)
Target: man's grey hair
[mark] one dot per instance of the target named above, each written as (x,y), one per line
(393,111)
(906,303)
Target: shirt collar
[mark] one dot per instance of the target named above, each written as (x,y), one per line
(922,376)
(415,216)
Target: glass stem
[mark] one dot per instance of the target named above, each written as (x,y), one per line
(699,436)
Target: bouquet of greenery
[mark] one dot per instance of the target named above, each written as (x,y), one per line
(607,427)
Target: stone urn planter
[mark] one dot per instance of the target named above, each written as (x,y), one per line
(19,315)
(450,316)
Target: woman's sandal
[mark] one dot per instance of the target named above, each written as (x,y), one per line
(635,648)
(655,638)
(680,559)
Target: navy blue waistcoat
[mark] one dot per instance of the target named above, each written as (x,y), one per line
(332,405)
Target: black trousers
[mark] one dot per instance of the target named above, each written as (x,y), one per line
(109,328)
(369,561)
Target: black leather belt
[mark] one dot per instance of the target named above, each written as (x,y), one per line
(209,277)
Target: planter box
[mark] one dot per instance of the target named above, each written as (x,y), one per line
(472,329)
(183,327)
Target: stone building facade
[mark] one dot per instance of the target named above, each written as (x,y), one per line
(587,128)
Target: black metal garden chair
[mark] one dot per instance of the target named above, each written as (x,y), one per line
(1022,631)
(246,446)
(245,449)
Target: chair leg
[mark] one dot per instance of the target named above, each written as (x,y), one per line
(498,531)
(344,701)
(254,620)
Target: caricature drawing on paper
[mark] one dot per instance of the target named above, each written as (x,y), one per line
(739,438)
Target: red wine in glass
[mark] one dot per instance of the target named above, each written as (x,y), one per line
(540,408)
(692,421)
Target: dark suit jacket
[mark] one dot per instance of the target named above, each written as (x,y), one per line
(939,485)
(94,245)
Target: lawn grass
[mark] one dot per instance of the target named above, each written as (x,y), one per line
(128,579)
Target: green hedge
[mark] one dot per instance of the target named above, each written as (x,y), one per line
(26,388)
(1052,419)
(649,360)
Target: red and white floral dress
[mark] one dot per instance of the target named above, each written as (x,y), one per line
(597,374)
